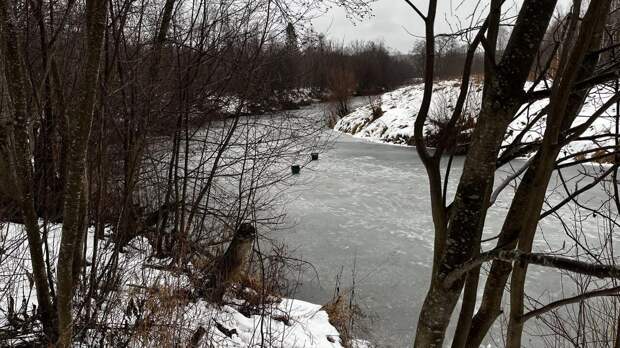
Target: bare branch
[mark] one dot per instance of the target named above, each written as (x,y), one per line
(508,179)
(587,268)
(417,10)
(566,301)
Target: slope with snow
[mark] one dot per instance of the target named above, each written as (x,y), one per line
(400,108)
(146,284)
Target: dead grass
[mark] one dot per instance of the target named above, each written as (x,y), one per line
(602,156)
(343,315)
(157,312)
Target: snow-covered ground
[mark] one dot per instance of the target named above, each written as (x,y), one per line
(286,323)
(400,108)
(282,100)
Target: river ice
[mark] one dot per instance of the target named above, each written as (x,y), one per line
(367,203)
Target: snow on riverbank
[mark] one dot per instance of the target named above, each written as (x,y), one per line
(400,108)
(145,284)
(278,101)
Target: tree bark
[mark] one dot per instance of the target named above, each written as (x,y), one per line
(79,127)
(20,154)
(589,37)
(499,104)
(518,214)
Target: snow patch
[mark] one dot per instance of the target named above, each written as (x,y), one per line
(284,323)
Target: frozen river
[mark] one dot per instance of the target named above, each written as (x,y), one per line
(366,205)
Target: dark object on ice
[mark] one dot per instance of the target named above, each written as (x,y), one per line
(283,318)
(314,156)
(295,169)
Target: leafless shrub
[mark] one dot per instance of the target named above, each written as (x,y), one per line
(342,86)
(439,122)
(376,104)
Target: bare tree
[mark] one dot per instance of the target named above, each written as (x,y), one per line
(18,153)
(459,225)
(139,114)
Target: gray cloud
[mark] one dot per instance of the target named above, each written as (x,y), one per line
(386,24)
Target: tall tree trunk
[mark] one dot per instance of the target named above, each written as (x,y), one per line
(501,101)
(21,153)
(519,214)
(514,222)
(470,293)
(78,252)
(48,184)
(79,132)
(589,37)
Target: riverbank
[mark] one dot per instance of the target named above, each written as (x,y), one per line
(154,303)
(399,109)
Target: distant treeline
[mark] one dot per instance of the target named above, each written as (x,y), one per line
(449,59)
(329,68)
(368,66)
(335,70)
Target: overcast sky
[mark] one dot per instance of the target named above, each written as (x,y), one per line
(394,22)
